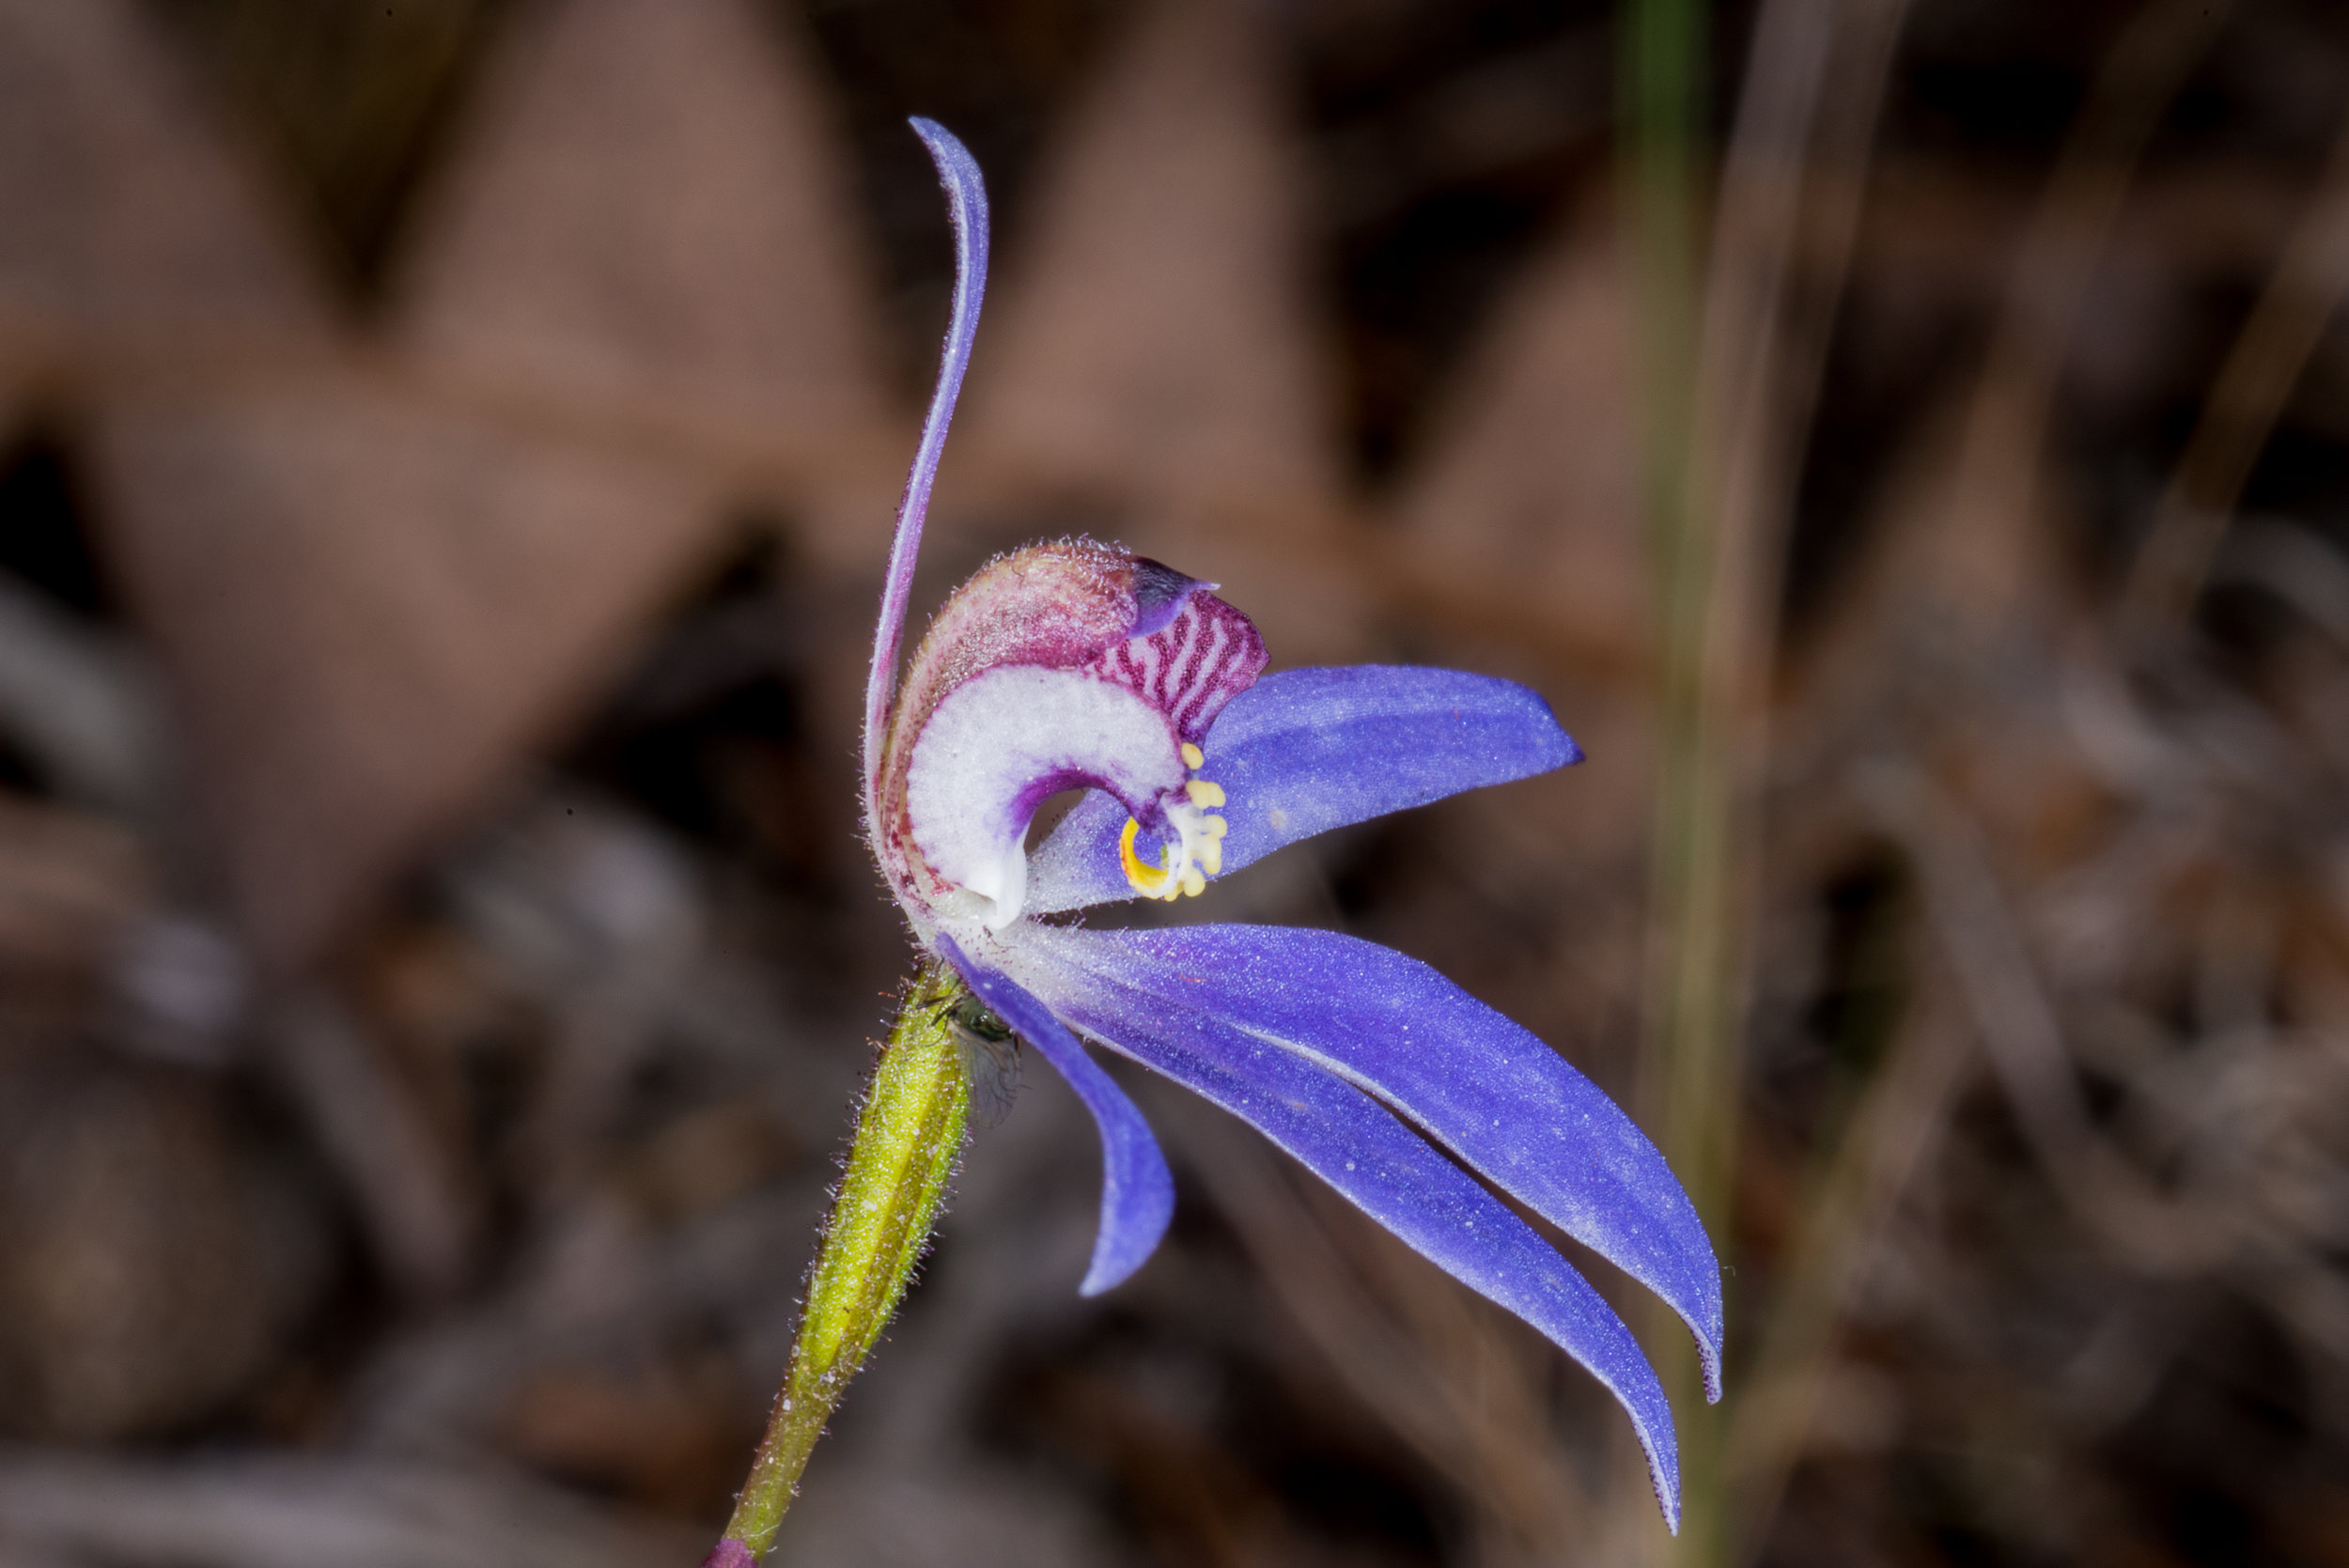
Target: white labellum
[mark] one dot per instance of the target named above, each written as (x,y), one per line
(1003,743)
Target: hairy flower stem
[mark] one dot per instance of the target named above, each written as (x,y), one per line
(907,1138)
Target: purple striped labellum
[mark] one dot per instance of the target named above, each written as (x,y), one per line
(1060,666)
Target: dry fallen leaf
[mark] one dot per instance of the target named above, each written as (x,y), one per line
(647,218)
(1525,511)
(134,224)
(1150,364)
(369,609)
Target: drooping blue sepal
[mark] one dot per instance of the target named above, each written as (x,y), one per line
(1305,750)
(1485,1088)
(1137,1190)
(1360,1148)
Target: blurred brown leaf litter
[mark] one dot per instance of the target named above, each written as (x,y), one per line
(451,448)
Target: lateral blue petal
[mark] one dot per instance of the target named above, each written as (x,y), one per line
(1362,1151)
(1305,750)
(1489,1090)
(1137,1190)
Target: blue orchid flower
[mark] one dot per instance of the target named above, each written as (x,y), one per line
(1078,665)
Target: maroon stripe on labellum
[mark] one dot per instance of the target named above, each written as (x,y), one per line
(1202,658)
(1077,605)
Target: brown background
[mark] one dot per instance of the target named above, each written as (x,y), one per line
(449,454)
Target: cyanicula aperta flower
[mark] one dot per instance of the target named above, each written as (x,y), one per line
(1077,665)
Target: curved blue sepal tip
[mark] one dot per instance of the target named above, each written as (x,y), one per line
(1478,1083)
(1360,1148)
(1137,1190)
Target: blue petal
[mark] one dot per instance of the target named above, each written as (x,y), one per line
(1358,1148)
(1305,750)
(1492,1092)
(1136,1190)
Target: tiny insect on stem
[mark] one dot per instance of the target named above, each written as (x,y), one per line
(990,1054)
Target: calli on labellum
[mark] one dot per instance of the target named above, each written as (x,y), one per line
(1078,665)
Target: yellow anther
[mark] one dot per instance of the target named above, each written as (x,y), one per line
(1196,852)
(1151,882)
(1193,757)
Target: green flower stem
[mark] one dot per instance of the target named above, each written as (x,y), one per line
(1693,993)
(907,1138)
